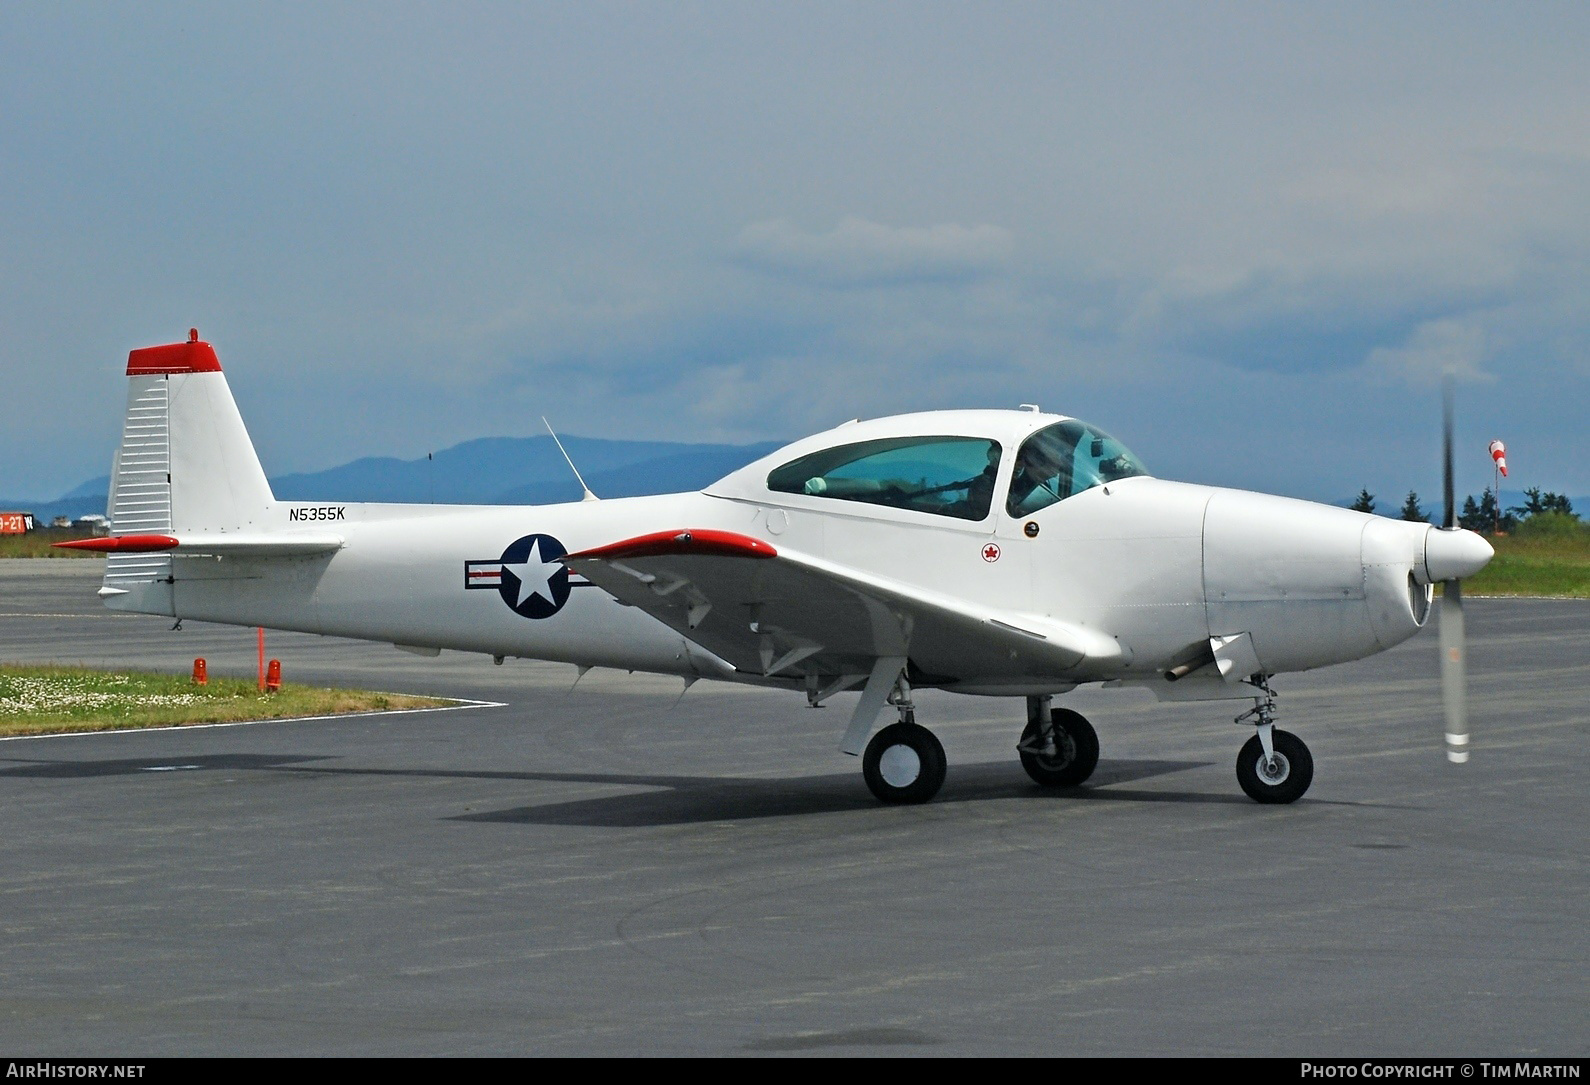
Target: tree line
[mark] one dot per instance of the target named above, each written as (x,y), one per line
(1483,515)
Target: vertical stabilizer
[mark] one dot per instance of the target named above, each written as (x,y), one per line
(217,483)
(185,464)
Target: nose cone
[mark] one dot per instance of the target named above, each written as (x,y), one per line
(1453,555)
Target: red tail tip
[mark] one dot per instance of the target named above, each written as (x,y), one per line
(194,356)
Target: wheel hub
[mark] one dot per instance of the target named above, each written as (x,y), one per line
(1275,770)
(1064,751)
(899,766)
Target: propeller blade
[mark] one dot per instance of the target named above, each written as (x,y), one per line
(1450,520)
(1454,683)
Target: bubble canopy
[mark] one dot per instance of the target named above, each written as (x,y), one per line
(994,459)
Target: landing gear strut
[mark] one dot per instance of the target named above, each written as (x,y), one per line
(1059,747)
(904,762)
(1273,766)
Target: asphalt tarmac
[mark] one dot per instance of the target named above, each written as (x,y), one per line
(614,870)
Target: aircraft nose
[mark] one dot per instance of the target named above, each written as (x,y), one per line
(1452,555)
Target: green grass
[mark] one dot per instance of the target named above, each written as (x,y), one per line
(53,700)
(1547,555)
(37,544)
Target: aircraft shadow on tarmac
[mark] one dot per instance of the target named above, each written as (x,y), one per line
(675,800)
(686,800)
(683,800)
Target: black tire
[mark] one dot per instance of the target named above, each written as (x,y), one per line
(1076,756)
(904,763)
(1287,780)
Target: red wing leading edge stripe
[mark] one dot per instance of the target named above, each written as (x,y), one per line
(726,544)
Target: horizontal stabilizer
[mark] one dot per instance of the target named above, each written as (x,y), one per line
(259,545)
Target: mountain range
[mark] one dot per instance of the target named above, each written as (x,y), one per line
(530,471)
(488,471)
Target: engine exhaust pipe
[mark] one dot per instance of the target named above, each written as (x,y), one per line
(1205,656)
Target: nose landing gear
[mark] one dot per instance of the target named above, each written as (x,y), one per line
(1273,766)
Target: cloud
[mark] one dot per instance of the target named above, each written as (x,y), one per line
(1312,322)
(862,253)
(1436,349)
(445,229)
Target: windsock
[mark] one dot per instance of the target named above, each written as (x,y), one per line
(1499,454)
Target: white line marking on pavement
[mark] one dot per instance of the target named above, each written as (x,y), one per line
(463,702)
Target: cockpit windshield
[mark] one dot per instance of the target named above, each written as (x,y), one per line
(1065,459)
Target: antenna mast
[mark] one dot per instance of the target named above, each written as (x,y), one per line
(589,496)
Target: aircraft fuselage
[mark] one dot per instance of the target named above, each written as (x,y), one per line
(1158,565)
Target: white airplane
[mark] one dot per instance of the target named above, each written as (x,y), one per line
(997,552)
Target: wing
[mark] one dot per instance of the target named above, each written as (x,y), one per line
(782,613)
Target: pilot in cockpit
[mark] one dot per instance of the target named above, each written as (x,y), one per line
(980,490)
(1042,475)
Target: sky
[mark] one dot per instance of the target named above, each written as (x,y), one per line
(1246,239)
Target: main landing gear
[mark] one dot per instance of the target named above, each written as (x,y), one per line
(904,762)
(1273,766)
(1059,747)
